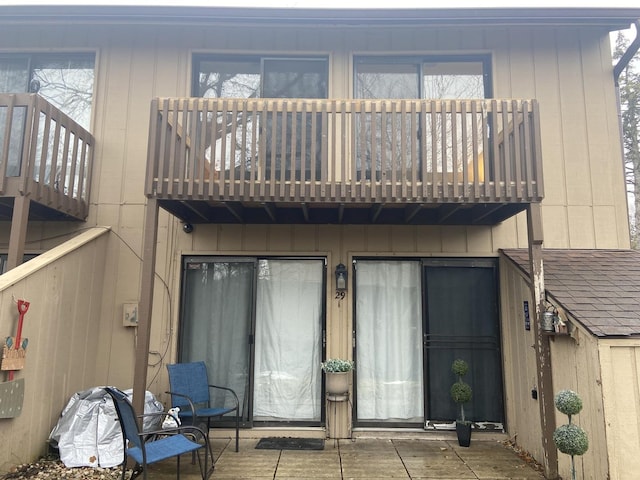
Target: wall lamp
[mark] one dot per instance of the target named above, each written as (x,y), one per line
(341,278)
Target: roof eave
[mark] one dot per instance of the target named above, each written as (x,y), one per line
(610,18)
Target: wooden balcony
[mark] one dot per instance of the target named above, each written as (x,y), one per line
(44,156)
(344,161)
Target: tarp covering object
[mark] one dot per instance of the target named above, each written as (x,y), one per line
(88,433)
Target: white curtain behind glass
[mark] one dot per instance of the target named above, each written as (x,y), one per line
(288,340)
(389,341)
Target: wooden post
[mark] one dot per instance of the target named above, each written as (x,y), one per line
(18,235)
(542,348)
(150,236)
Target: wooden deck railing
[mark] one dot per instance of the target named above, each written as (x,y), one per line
(357,151)
(44,154)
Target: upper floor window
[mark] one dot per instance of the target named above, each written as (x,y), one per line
(260,77)
(292,141)
(64,79)
(428,77)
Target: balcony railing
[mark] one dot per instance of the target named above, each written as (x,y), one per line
(345,151)
(45,155)
(351,153)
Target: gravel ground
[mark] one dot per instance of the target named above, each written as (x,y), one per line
(55,469)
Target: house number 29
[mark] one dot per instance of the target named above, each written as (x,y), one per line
(340,295)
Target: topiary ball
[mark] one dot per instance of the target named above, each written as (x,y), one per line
(460,392)
(571,439)
(460,367)
(568,402)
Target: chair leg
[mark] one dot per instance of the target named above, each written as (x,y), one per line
(178,467)
(237,428)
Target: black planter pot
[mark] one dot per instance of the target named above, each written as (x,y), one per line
(464,433)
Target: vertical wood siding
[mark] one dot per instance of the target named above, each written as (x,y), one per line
(63,326)
(620,361)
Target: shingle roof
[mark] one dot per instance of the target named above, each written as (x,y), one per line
(600,288)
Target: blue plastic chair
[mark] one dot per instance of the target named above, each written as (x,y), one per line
(190,390)
(151,447)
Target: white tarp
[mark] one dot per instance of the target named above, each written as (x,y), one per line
(88,433)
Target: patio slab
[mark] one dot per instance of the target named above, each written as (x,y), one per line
(418,459)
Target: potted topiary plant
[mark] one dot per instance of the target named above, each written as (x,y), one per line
(337,375)
(461,394)
(570,438)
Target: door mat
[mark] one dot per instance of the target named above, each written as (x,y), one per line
(276,443)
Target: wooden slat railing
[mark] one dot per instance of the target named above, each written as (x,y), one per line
(44,154)
(359,151)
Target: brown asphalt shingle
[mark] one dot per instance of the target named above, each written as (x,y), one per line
(600,288)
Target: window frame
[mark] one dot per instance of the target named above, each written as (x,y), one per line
(198,58)
(484,59)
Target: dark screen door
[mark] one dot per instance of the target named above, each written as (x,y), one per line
(462,322)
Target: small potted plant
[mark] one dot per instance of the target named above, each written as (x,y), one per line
(461,394)
(337,375)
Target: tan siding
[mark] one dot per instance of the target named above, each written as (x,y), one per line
(606,226)
(454,239)
(429,238)
(522,411)
(584,378)
(62,326)
(621,388)
(581,232)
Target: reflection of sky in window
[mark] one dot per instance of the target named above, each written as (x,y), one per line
(67,84)
(240,85)
(64,80)
(441,80)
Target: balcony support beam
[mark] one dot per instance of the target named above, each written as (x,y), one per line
(489,210)
(411,212)
(447,211)
(271,211)
(149,242)
(376,210)
(542,347)
(236,210)
(18,235)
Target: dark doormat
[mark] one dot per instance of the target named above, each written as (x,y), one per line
(276,443)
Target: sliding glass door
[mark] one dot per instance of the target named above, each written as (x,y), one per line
(389,387)
(412,319)
(257,323)
(288,348)
(217,311)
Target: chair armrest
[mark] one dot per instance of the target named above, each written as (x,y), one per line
(229,390)
(155,414)
(191,405)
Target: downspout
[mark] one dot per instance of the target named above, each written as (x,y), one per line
(617,71)
(628,55)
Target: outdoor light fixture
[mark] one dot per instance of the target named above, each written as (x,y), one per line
(341,278)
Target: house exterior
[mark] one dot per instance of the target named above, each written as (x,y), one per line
(263,189)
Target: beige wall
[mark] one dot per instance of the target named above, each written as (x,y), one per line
(620,360)
(520,377)
(63,325)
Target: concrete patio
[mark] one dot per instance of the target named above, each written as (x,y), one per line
(363,458)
